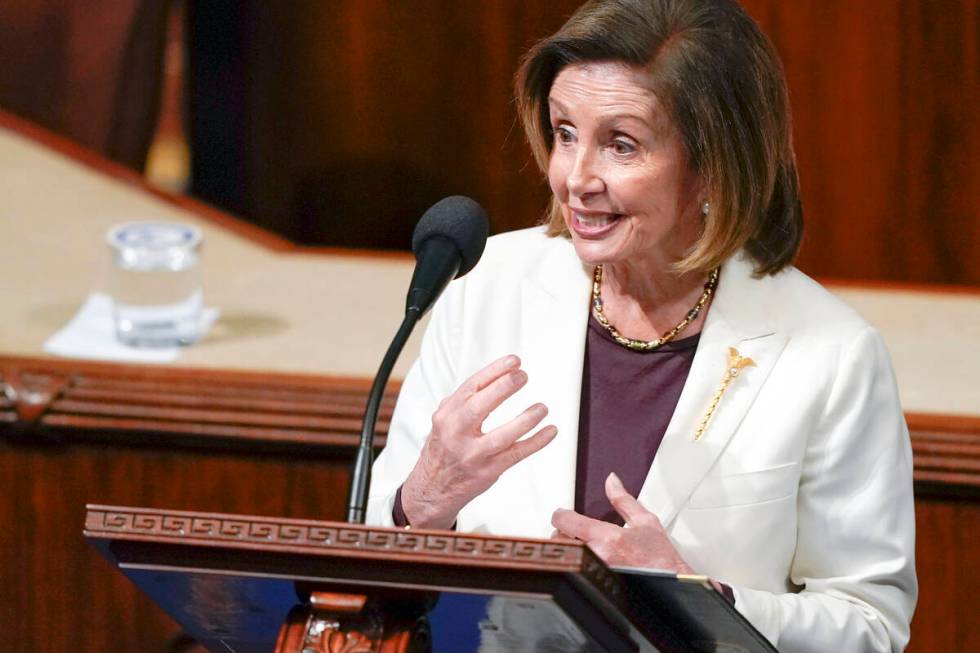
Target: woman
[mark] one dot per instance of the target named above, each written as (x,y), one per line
(710,409)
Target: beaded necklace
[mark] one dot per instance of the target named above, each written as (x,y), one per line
(649,345)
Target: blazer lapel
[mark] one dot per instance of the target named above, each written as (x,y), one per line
(555,310)
(736,319)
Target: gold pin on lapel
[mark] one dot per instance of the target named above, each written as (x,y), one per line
(735,364)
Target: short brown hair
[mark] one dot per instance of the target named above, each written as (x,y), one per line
(722,85)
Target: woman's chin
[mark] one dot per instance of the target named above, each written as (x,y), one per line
(595,252)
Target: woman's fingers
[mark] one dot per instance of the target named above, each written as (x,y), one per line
(631,510)
(504,443)
(482,392)
(494,383)
(484,377)
(572,524)
(481,403)
(502,437)
(527,447)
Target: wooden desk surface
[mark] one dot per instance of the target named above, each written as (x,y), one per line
(287,309)
(282,309)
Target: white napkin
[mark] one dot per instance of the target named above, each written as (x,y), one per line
(91,334)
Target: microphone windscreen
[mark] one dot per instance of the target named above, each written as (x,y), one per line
(460,220)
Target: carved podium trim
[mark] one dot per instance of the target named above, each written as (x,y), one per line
(336,538)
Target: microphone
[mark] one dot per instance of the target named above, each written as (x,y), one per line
(448,242)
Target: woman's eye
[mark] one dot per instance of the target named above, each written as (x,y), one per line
(563,135)
(623,147)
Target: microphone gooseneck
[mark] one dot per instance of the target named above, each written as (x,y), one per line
(360,480)
(448,242)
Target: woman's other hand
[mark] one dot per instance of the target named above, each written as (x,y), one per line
(459,461)
(641,543)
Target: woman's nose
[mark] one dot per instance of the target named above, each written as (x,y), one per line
(584,178)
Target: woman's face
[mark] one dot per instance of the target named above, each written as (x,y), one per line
(619,170)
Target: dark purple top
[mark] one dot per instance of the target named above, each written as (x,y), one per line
(628,398)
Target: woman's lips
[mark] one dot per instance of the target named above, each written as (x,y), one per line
(594,224)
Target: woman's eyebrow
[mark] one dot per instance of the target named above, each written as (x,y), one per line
(617,117)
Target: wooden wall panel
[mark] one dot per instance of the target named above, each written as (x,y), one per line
(88,70)
(948,565)
(886,133)
(58,592)
(355,116)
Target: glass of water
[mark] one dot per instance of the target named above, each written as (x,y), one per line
(155,283)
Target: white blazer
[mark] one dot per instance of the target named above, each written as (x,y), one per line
(799,492)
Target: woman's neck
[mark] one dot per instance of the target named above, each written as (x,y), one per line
(646,302)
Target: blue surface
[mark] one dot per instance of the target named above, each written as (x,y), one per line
(455,622)
(246,613)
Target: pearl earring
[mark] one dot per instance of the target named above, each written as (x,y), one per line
(705,208)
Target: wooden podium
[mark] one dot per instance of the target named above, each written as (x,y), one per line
(256,585)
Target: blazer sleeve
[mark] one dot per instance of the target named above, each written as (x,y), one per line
(856,523)
(430,379)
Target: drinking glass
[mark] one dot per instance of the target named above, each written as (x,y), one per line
(155,283)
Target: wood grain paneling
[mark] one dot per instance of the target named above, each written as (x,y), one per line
(947,560)
(886,134)
(59,595)
(89,71)
(368,114)
(946,451)
(346,140)
(66,399)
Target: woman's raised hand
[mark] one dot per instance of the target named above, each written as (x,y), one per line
(459,461)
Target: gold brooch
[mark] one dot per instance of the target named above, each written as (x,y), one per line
(735,364)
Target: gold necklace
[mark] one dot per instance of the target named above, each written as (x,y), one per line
(649,345)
